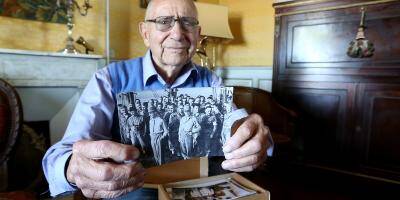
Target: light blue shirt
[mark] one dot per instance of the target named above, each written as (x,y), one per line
(92,118)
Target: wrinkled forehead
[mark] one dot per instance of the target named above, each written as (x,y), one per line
(181,8)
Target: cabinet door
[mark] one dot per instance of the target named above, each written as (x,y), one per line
(316,43)
(378,129)
(324,118)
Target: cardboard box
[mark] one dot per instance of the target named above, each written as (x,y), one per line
(177,171)
(193,171)
(260,195)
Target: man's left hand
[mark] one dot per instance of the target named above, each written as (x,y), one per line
(247,148)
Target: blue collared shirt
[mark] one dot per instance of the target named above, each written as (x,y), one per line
(92,118)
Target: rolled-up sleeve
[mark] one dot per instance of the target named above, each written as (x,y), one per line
(91,119)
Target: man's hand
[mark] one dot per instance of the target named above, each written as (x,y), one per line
(247,147)
(105,169)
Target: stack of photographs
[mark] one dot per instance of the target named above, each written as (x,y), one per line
(176,124)
(217,190)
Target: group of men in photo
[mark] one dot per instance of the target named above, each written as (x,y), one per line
(172,127)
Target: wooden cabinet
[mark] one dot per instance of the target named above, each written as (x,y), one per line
(349,108)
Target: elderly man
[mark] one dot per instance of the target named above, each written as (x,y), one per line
(89,156)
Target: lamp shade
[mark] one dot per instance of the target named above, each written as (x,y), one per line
(214,20)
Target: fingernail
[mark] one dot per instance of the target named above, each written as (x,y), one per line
(224,165)
(228,156)
(227,149)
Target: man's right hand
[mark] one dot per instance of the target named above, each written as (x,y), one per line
(105,169)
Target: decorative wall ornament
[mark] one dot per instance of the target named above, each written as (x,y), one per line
(361,47)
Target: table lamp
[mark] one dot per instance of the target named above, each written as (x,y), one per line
(214,29)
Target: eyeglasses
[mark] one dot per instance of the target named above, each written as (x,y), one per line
(166,23)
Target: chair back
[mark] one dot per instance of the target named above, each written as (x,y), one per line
(279,119)
(10,119)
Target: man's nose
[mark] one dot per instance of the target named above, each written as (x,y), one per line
(177,31)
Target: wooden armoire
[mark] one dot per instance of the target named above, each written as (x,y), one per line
(349,108)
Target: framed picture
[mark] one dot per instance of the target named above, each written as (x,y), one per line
(41,10)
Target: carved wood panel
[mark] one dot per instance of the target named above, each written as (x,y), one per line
(378,128)
(324,117)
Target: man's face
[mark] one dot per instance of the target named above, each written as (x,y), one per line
(170,109)
(174,47)
(196,109)
(180,108)
(208,111)
(186,110)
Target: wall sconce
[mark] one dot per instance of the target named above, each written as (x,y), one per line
(361,47)
(214,29)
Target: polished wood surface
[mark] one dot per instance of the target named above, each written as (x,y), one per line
(348,107)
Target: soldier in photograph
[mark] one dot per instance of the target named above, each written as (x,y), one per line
(172,120)
(187,128)
(137,132)
(158,131)
(209,126)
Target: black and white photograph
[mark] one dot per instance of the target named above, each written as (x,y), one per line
(219,190)
(175,124)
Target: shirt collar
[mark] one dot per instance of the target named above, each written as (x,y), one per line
(150,71)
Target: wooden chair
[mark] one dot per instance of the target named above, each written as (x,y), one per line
(10,124)
(11,132)
(280,120)
(10,119)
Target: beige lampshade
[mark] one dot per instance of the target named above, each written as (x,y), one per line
(214,20)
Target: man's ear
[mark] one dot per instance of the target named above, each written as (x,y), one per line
(144,32)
